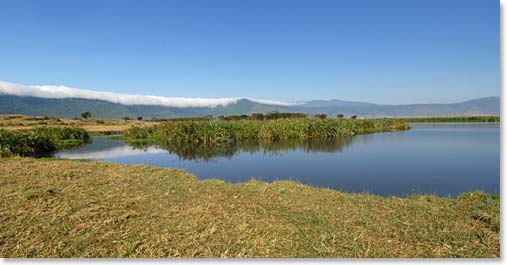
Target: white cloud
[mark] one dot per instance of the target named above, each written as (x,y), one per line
(47,91)
(274,102)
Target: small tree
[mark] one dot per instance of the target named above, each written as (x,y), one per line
(125,118)
(272,115)
(233,118)
(339,116)
(139,118)
(353,117)
(86,115)
(257,116)
(320,116)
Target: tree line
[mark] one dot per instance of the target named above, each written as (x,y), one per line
(258,117)
(274,115)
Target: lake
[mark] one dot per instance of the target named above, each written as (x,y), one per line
(444,159)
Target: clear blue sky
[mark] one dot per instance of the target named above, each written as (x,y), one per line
(381,51)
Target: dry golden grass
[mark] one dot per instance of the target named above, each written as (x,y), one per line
(64,208)
(16,122)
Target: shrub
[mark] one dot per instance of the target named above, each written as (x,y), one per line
(86,115)
(257,116)
(320,116)
(275,115)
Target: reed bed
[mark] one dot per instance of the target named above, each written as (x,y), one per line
(40,141)
(217,132)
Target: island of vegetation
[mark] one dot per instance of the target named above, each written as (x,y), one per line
(216,132)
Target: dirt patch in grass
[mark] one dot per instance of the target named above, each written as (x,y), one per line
(65,208)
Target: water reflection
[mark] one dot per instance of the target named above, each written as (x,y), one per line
(112,152)
(228,150)
(102,148)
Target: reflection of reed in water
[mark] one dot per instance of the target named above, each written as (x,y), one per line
(228,150)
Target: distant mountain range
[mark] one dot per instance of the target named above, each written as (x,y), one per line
(73,107)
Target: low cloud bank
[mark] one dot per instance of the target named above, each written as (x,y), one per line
(48,91)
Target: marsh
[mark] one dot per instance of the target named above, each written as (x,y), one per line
(438,158)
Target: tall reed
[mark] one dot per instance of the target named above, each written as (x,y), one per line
(216,132)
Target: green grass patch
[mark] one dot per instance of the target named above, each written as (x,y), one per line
(140,142)
(71,141)
(114,137)
(64,208)
(96,133)
(454,119)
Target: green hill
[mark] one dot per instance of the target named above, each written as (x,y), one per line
(73,107)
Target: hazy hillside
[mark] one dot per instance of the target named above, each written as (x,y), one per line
(73,107)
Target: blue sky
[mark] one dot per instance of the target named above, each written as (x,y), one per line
(389,51)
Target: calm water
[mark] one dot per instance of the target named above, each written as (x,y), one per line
(442,159)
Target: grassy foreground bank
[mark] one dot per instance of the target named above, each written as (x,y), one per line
(64,208)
